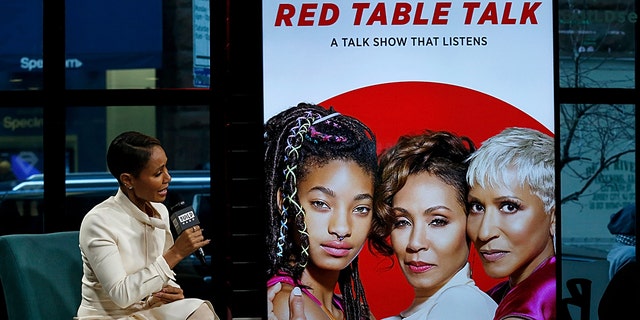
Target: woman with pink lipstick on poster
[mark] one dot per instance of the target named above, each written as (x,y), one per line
(320,170)
(421,196)
(512,220)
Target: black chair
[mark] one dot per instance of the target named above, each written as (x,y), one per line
(580,292)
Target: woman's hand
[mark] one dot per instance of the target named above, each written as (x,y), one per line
(271,293)
(187,242)
(296,305)
(169,294)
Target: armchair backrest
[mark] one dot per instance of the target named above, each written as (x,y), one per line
(41,275)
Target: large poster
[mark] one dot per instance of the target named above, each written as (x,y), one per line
(470,67)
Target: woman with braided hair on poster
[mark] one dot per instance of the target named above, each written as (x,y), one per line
(320,171)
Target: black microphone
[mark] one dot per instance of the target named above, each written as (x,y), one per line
(183,217)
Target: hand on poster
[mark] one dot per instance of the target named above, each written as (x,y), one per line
(296,304)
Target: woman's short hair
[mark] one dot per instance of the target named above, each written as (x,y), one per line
(129,152)
(530,153)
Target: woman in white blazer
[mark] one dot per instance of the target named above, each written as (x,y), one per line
(128,251)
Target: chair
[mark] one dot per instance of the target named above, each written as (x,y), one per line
(580,291)
(41,275)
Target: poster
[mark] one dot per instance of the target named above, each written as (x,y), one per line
(470,67)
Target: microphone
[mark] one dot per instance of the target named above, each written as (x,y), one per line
(183,217)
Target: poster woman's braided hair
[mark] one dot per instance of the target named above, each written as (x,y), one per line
(296,140)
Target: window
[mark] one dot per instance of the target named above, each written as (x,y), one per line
(596,43)
(596,127)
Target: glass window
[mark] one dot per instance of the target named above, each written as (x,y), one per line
(597,43)
(598,178)
(146,43)
(112,35)
(156,44)
(21,162)
(21,45)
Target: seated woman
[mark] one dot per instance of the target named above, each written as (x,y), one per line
(128,251)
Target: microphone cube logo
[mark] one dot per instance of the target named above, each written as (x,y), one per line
(187,217)
(184,219)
